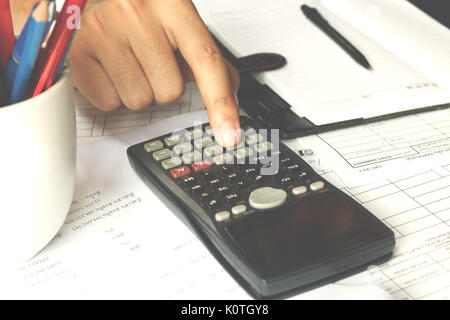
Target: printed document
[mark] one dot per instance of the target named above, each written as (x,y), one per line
(375,151)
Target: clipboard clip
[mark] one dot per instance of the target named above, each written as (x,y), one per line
(259,62)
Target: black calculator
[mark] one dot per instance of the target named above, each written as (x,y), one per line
(272,222)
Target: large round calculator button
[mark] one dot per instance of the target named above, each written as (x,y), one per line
(315,186)
(267,198)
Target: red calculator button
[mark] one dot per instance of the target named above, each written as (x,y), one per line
(180,172)
(201,165)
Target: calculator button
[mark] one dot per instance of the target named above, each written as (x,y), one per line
(153,146)
(238,209)
(203,142)
(267,198)
(212,151)
(212,205)
(188,181)
(192,157)
(299,190)
(182,148)
(214,183)
(318,185)
(197,189)
(232,198)
(264,147)
(180,172)
(173,140)
(223,158)
(201,165)
(194,134)
(259,179)
(243,153)
(162,154)
(171,163)
(251,172)
(285,181)
(293,168)
(222,216)
(232,177)
(253,138)
(223,190)
(208,131)
(204,196)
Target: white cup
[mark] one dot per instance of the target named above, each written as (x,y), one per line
(37,170)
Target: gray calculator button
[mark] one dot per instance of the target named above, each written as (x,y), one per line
(317,185)
(194,134)
(171,163)
(203,142)
(192,157)
(239,209)
(208,131)
(299,190)
(253,138)
(223,158)
(267,198)
(264,146)
(153,146)
(173,140)
(182,148)
(243,153)
(162,154)
(212,151)
(221,216)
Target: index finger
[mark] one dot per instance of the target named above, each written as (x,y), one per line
(211,74)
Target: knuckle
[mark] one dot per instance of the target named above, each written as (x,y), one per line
(138,101)
(170,95)
(208,54)
(108,103)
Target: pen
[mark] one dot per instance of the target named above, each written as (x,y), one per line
(50,58)
(20,65)
(7,38)
(3,96)
(315,17)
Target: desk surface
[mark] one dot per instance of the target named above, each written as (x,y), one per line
(438,9)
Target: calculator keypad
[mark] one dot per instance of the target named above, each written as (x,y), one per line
(229,184)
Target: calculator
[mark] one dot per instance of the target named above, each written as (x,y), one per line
(275,225)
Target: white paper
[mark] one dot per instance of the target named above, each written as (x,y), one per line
(371,152)
(93,123)
(404,30)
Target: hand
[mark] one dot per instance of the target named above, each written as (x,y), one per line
(133,52)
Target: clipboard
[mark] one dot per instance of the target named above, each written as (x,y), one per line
(269,110)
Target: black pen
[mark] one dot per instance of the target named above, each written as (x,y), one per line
(315,17)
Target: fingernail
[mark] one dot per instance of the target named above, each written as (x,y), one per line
(229,134)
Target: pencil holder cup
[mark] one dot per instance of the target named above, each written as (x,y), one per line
(37,170)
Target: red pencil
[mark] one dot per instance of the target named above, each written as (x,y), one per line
(51,56)
(7,39)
